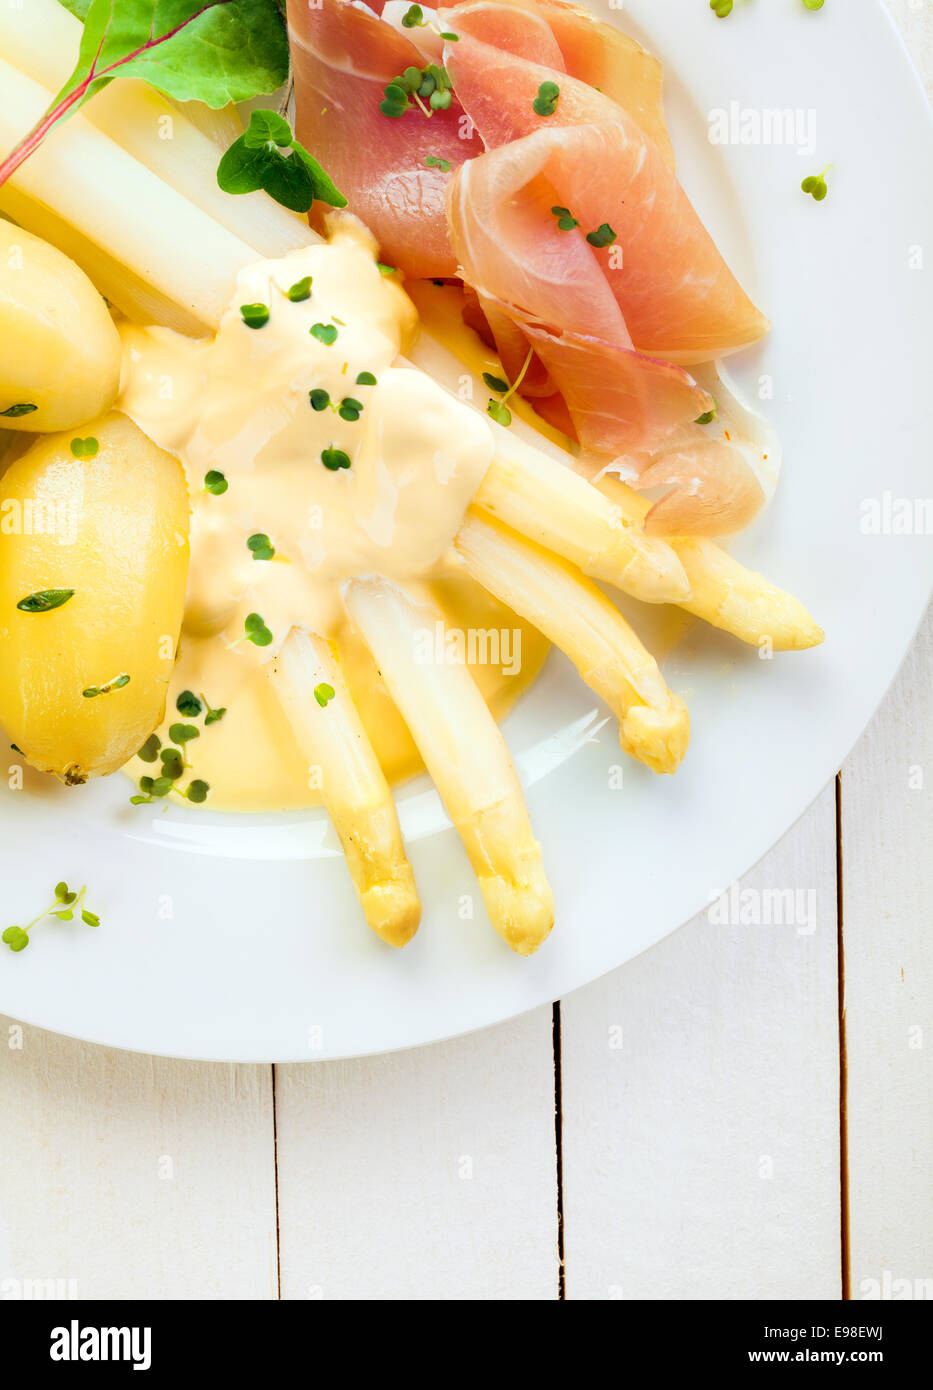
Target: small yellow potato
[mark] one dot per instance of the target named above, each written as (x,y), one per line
(59,349)
(93,567)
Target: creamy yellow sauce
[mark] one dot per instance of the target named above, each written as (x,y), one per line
(240,405)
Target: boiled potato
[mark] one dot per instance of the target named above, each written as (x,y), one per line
(59,349)
(84,674)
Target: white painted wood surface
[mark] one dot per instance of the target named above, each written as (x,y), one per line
(887,847)
(699,1159)
(426,1174)
(700,1100)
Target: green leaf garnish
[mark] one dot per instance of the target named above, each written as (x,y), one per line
(319,398)
(816,186)
(44,600)
(213,716)
(325,333)
(335,459)
(722,8)
(499,410)
(117,683)
(565,218)
(13,412)
(63,907)
(173,764)
(324,693)
(413,18)
(350,408)
(545,103)
(603,236)
(150,749)
(433,161)
(188,704)
(365,379)
(254,315)
(268,156)
(300,290)
(85,448)
(197,791)
(183,733)
(256,631)
(215,483)
(215,51)
(261,546)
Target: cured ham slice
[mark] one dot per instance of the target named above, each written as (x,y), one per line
(679,298)
(343,56)
(570,40)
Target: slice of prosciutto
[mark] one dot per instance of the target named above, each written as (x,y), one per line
(568,39)
(343,55)
(680,300)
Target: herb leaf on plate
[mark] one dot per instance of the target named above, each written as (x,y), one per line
(268,156)
(215,51)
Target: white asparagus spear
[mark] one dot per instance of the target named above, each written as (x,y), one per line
(41,39)
(549,503)
(465,754)
(574,614)
(723,592)
(331,736)
(121,206)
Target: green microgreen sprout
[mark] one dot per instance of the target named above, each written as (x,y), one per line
(545,103)
(254,315)
(813,4)
(386,269)
(154,788)
(499,410)
(708,416)
(300,290)
(319,398)
(335,459)
(183,733)
(260,546)
(117,683)
(188,704)
(63,907)
(602,236)
(213,716)
(416,86)
(13,412)
(268,156)
(173,764)
(721,8)
(350,408)
(816,186)
(413,18)
(150,749)
(565,218)
(44,600)
(366,379)
(325,333)
(434,161)
(324,693)
(215,483)
(85,448)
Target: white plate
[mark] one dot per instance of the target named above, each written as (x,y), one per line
(238,938)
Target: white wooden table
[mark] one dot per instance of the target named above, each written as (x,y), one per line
(741,1112)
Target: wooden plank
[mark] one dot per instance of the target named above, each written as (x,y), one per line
(422,1175)
(133,1177)
(887,857)
(700,1101)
